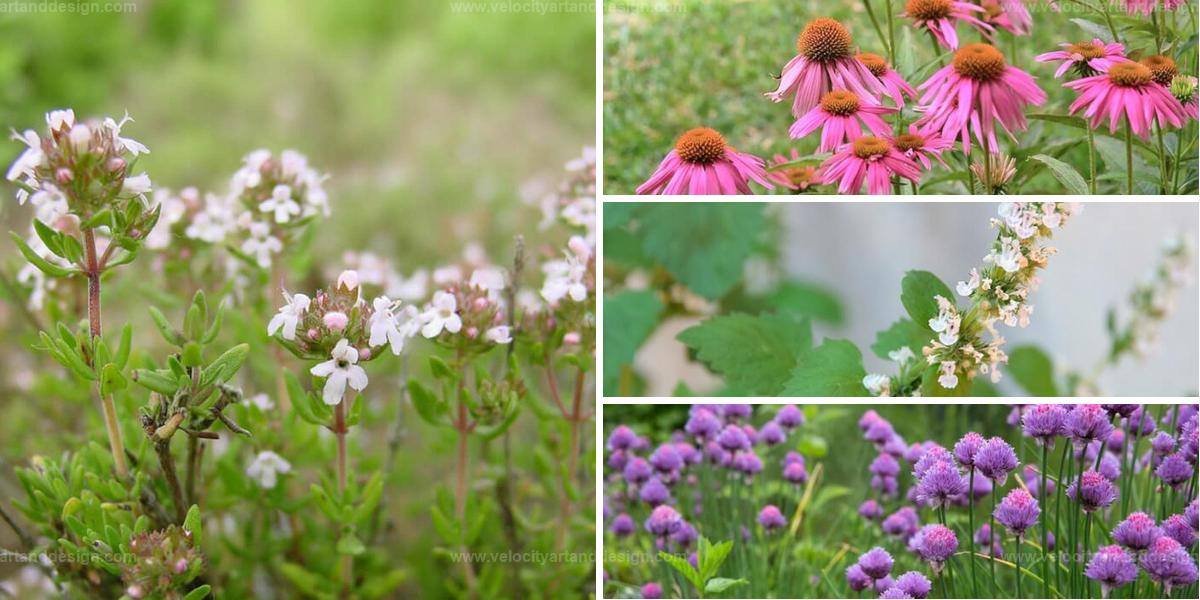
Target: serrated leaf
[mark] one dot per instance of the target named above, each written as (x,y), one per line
(711,557)
(718,585)
(684,568)
(754,354)
(1064,173)
(809,300)
(834,368)
(917,293)
(902,333)
(629,319)
(703,245)
(1033,370)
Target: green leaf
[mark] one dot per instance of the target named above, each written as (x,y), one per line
(50,237)
(629,319)
(1094,30)
(902,333)
(155,381)
(917,293)
(813,446)
(754,354)
(834,368)
(618,214)
(370,498)
(225,366)
(1033,370)
(718,585)
(164,327)
(42,264)
(191,522)
(444,526)
(703,245)
(684,568)
(199,593)
(711,556)
(441,370)
(121,359)
(299,399)
(1064,173)
(350,545)
(111,379)
(808,299)
(429,407)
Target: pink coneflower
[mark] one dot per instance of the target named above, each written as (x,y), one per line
(825,63)
(1184,90)
(976,89)
(921,145)
(838,117)
(1088,58)
(702,163)
(941,16)
(1162,69)
(867,158)
(894,86)
(1128,88)
(1009,15)
(797,177)
(1145,7)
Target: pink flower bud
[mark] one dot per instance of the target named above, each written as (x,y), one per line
(364,354)
(472,332)
(80,137)
(64,175)
(550,322)
(117,165)
(581,249)
(336,321)
(481,303)
(181,565)
(348,280)
(135,591)
(571,338)
(312,334)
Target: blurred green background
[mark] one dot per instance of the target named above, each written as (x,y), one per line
(428,118)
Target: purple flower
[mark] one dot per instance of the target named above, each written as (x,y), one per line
(1112,567)
(914,584)
(651,591)
(1087,423)
(621,438)
(876,563)
(940,484)
(716,454)
(654,492)
(1097,491)
(689,453)
(789,417)
(1136,532)
(733,438)
(684,536)
(734,412)
(1169,564)
(617,459)
(966,448)
(637,470)
(1018,511)
(937,544)
(1191,513)
(856,579)
(983,534)
(1110,466)
(1119,410)
(995,460)
(663,521)
(1116,440)
(867,419)
(748,463)
(795,473)
(770,518)
(886,486)
(793,457)
(702,424)
(885,466)
(1177,527)
(883,585)
(622,525)
(1189,438)
(933,455)
(751,433)
(1163,444)
(903,523)
(870,510)
(772,434)
(1044,422)
(895,593)
(914,453)
(879,432)
(694,560)
(1174,470)
(1140,423)
(666,459)
(894,446)
(1014,415)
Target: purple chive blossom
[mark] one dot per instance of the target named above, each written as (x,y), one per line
(1169,564)
(623,525)
(751,433)
(1191,513)
(1175,470)
(995,460)
(895,593)
(684,536)
(1177,527)
(654,492)
(748,463)
(1163,444)
(652,591)
(733,438)
(1086,424)
(1097,491)
(902,524)
(1137,531)
(983,534)
(876,563)
(879,432)
(663,521)
(937,545)
(666,459)
(1018,511)
(1140,423)
(772,434)
(1110,466)
(716,454)
(885,466)
(886,486)
(1112,567)
(941,483)
(617,459)
(983,486)
(883,585)
(933,455)
(637,470)
(770,518)
(914,453)
(738,411)
(870,510)
(1119,410)
(703,424)
(867,419)
(789,417)
(694,560)
(689,453)
(1044,422)
(895,447)
(914,584)
(856,579)
(793,457)
(795,473)
(1116,440)
(966,448)
(621,438)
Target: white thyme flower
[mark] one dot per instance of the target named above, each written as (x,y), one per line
(902,355)
(213,222)
(80,137)
(500,334)
(57,119)
(392,328)
(565,278)
(441,314)
(947,322)
(966,288)
(262,401)
(877,385)
(136,185)
(948,379)
(281,204)
(261,244)
(289,316)
(339,371)
(490,280)
(29,160)
(412,289)
(447,275)
(265,468)
(134,147)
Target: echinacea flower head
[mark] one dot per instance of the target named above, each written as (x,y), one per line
(1112,567)
(937,544)
(913,583)
(1175,470)
(940,485)
(1086,58)
(663,521)
(1169,564)
(996,459)
(770,518)
(1128,89)
(967,447)
(1093,491)
(1018,511)
(1044,422)
(1087,423)
(1178,529)
(1009,15)
(1184,90)
(920,146)
(798,178)
(825,62)
(976,90)
(840,116)
(876,563)
(1162,69)
(941,17)
(701,163)
(894,86)
(867,159)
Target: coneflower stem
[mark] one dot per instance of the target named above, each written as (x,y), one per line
(1045,528)
(106,401)
(892,35)
(1128,158)
(971,525)
(1092,160)
(1162,159)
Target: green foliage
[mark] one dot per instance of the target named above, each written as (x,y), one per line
(633,316)
(834,368)
(903,333)
(754,354)
(1033,370)
(703,247)
(918,292)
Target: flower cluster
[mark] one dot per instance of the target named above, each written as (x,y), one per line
(1152,301)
